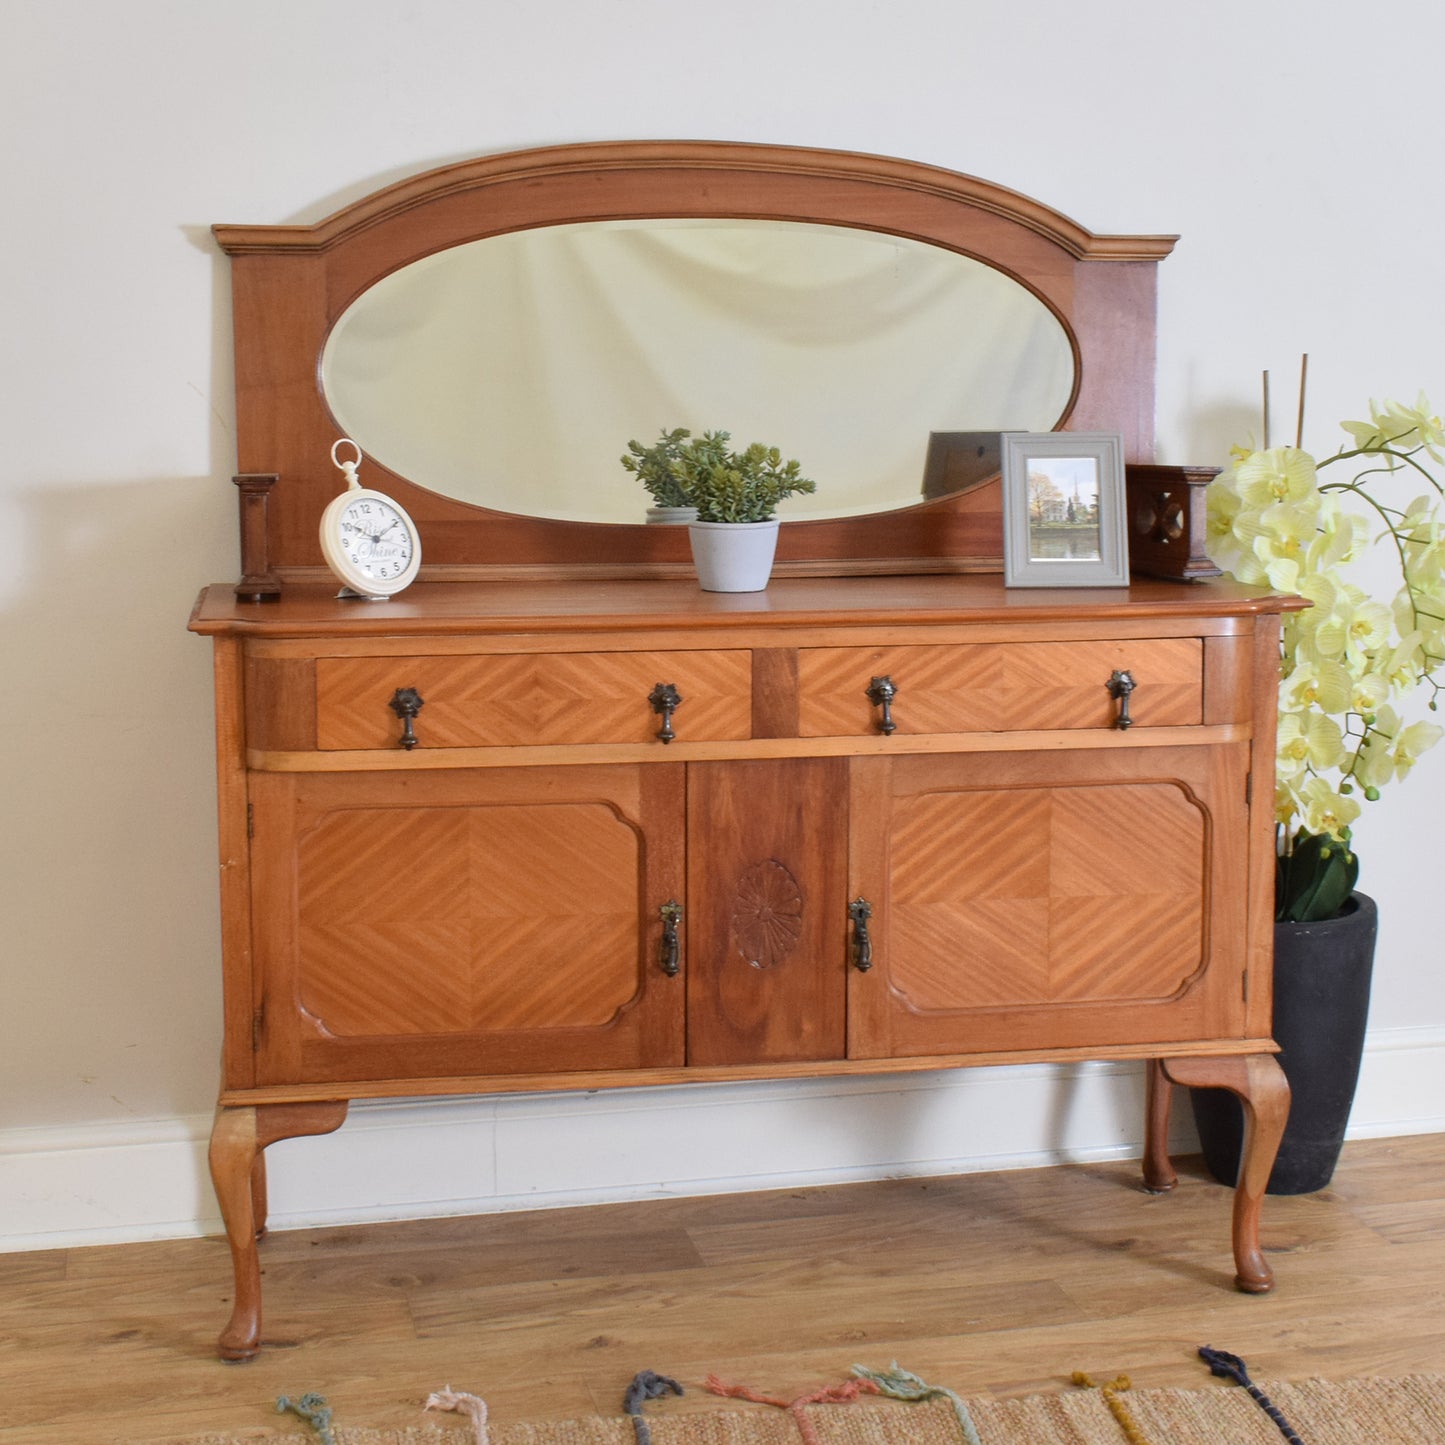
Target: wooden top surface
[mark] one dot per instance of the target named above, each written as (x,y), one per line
(313,609)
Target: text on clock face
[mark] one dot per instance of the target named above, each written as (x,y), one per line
(375,538)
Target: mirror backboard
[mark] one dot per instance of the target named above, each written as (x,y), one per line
(297,289)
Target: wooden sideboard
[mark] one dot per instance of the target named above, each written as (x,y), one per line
(502,836)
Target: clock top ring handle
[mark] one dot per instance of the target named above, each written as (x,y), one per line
(348,469)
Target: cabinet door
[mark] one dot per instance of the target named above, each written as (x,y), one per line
(440,924)
(1032,900)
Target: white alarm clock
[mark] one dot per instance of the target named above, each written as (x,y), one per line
(368,540)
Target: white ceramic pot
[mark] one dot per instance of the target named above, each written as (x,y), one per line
(670,516)
(733,556)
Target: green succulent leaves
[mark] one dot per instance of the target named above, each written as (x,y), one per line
(680,470)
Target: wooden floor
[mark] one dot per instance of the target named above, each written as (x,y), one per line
(985,1282)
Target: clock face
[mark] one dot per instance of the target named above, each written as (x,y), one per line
(370,542)
(376,538)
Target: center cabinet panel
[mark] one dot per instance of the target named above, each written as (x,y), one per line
(1035,900)
(768,913)
(499,921)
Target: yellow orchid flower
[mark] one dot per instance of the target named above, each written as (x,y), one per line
(1325,809)
(1356,627)
(1369,626)
(1281,572)
(1412,740)
(1291,527)
(1322,637)
(1321,589)
(1414,426)
(1286,806)
(1422,534)
(1282,474)
(1339,538)
(1367,435)
(1391,748)
(1325,685)
(1405,742)
(1310,740)
(1222,509)
(1368,693)
(1402,427)
(1404,665)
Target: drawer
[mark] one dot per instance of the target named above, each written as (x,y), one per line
(999,687)
(531,699)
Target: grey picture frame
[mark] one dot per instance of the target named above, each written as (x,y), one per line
(1063,510)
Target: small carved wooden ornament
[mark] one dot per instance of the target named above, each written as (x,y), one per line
(1166,508)
(767,914)
(258,582)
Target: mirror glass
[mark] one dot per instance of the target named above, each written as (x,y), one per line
(512,371)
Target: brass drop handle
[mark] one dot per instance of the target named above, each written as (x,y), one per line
(860,910)
(1120,685)
(406,702)
(665,700)
(881,692)
(671,913)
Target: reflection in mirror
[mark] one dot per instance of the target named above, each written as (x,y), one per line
(511,372)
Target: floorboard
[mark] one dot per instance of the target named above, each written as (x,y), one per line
(1003,1283)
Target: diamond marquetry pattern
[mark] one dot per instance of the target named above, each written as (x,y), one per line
(1015,897)
(1000,687)
(467,920)
(506,700)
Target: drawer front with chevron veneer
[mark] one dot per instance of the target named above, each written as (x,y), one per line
(526,699)
(999,687)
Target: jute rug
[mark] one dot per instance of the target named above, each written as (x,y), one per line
(1404,1411)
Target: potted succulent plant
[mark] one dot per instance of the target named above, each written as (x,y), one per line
(656,467)
(736,493)
(1349,663)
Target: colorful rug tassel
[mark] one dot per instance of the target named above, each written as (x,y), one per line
(312,1408)
(646,1386)
(899,1384)
(1112,1393)
(473,1406)
(1226,1366)
(842,1394)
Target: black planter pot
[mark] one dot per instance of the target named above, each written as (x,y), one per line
(1321,1001)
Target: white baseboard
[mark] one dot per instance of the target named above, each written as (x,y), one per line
(110,1183)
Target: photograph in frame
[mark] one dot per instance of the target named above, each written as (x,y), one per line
(1063,510)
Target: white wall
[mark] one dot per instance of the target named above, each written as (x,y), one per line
(1296,148)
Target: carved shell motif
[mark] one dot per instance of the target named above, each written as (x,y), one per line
(767,914)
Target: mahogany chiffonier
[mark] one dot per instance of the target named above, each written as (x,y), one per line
(553,818)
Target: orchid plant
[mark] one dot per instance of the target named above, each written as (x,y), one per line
(1351,665)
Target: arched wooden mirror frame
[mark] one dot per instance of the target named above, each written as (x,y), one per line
(291,283)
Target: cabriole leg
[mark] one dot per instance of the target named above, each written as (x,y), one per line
(259,1204)
(238,1172)
(1260,1085)
(1159,1175)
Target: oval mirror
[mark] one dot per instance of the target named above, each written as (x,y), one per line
(511,372)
